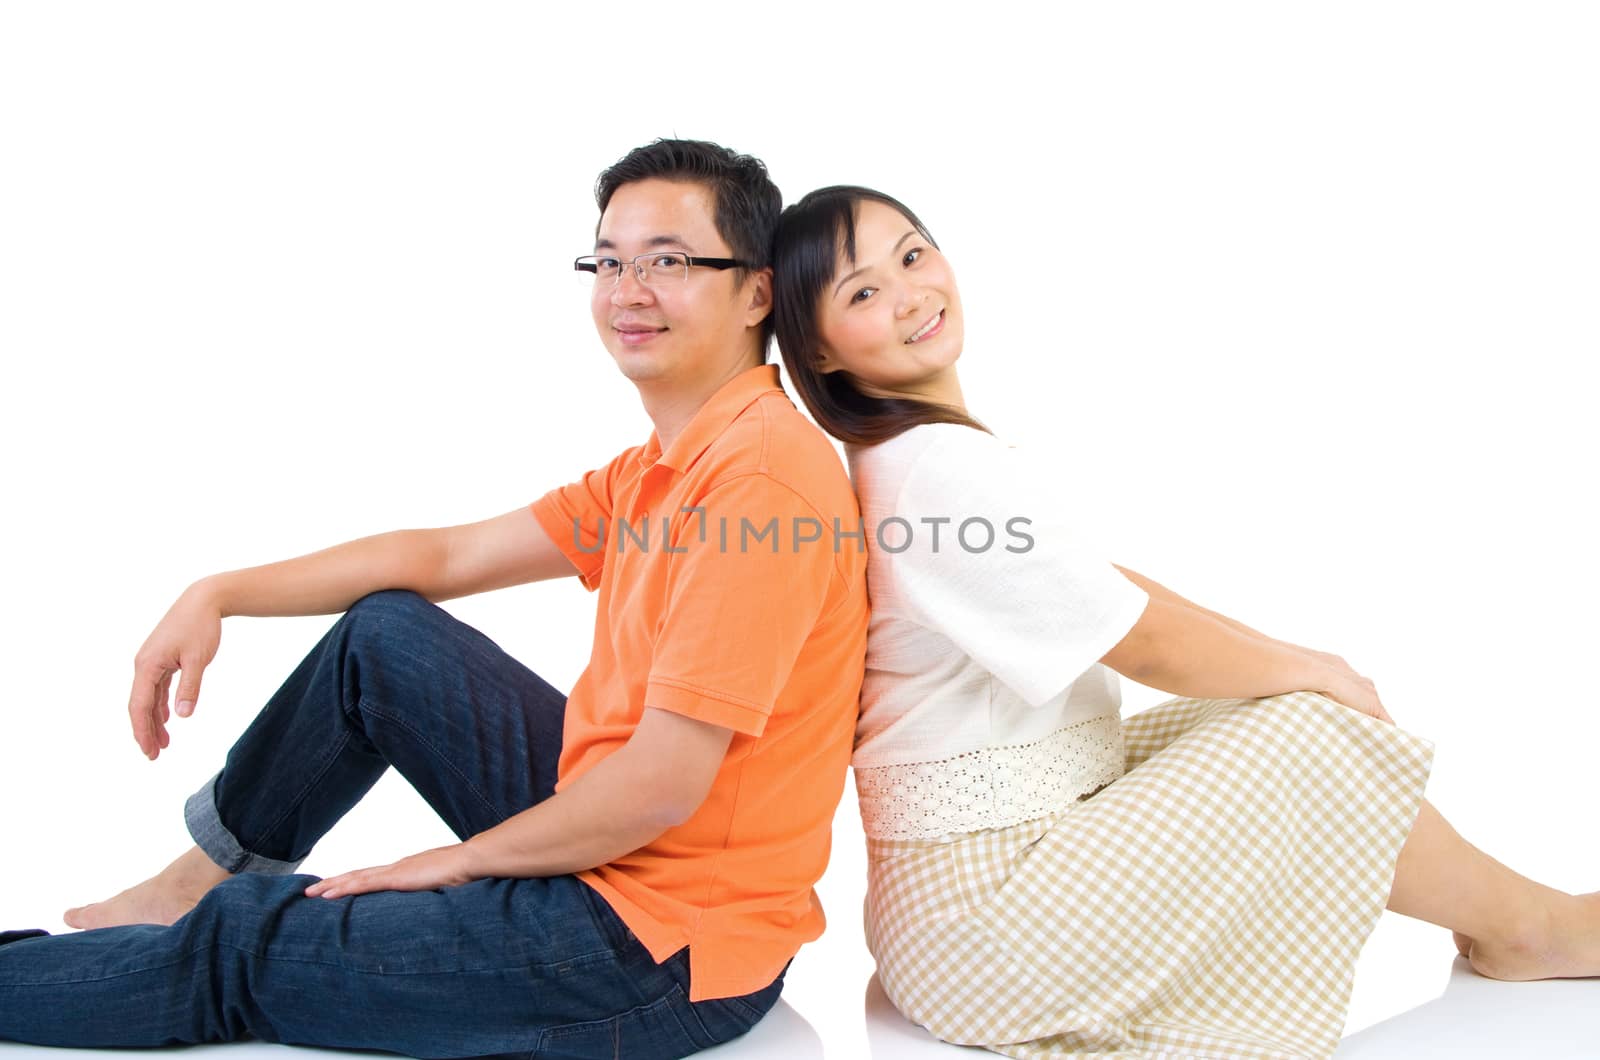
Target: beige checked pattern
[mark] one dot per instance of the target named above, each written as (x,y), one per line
(1210,903)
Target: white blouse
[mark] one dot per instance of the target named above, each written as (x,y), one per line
(984,703)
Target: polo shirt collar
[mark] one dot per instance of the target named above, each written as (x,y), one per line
(712,418)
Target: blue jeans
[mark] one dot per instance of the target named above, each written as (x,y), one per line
(497,967)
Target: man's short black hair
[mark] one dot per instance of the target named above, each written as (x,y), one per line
(747,202)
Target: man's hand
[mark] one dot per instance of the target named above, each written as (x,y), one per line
(185,640)
(439,867)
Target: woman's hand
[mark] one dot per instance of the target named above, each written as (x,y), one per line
(184,641)
(1356,688)
(439,867)
(1335,661)
(1354,691)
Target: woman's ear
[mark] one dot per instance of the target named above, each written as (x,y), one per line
(825,361)
(760,305)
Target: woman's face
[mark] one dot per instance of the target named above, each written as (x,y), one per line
(892,318)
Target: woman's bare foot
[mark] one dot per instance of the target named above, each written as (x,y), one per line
(1565,946)
(161,899)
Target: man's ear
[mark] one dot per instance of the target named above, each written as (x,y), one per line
(760,305)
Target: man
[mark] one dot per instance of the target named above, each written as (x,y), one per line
(637,859)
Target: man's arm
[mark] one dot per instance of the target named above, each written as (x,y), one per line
(655,781)
(439,564)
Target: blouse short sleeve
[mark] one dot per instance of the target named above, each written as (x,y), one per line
(987,549)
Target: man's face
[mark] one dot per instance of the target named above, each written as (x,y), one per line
(679,330)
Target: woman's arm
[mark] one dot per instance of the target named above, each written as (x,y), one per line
(1186,651)
(1157,591)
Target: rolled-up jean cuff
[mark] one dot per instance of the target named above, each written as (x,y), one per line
(219,844)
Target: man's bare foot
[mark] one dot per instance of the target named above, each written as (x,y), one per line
(149,902)
(1565,946)
(161,899)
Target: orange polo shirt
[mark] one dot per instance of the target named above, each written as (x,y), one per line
(749,613)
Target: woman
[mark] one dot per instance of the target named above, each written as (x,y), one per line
(1045,877)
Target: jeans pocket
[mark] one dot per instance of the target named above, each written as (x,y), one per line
(720,1020)
(725,1018)
(612,928)
(656,1031)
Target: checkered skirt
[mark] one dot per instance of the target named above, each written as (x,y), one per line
(1210,903)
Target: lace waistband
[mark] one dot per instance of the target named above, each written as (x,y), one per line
(994,787)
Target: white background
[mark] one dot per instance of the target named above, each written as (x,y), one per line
(1306,293)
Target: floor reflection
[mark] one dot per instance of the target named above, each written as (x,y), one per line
(1554,1019)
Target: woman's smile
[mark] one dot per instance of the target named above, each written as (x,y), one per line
(932,327)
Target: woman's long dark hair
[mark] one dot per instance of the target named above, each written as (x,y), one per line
(805,260)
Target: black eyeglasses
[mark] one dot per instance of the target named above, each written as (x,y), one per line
(663,266)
